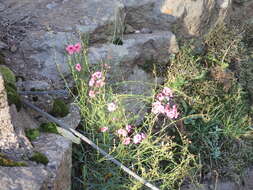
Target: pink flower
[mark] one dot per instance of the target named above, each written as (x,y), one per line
(127,141)
(111,107)
(91,82)
(103,129)
(157,107)
(160,97)
(78,67)
(143,136)
(92,94)
(70,49)
(171,113)
(122,132)
(78,47)
(129,128)
(137,139)
(107,66)
(100,83)
(97,75)
(167,92)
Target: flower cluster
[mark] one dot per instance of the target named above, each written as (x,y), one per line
(162,105)
(111,107)
(71,49)
(96,82)
(138,138)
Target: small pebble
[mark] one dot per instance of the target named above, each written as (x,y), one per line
(146,31)
(13,48)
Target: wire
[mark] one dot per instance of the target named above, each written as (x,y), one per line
(88,141)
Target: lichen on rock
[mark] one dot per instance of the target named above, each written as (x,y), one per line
(39,158)
(4,161)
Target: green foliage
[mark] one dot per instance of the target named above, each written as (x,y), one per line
(60,109)
(214,116)
(215,106)
(32,134)
(118,41)
(12,96)
(159,158)
(49,127)
(8,75)
(9,82)
(4,161)
(39,158)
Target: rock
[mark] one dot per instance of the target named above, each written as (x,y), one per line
(13,48)
(59,152)
(147,14)
(21,121)
(9,141)
(129,29)
(2,7)
(53,24)
(56,175)
(136,50)
(146,31)
(196,17)
(248,179)
(226,186)
(20,178)
(2,44)
(141,84)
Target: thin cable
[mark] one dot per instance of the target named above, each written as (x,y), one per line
(88,141)
(52,92)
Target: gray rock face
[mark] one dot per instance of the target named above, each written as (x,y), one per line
(48,26)
(137,49)
(21,178)
(56,175)
(9,141)
(196,17)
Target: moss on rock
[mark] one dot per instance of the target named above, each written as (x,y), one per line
(49,127)
(8,75)
(32,134)
(4,161)
(39,158)
(13,96)
(9,83)
(60,109)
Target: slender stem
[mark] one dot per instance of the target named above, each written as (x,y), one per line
(88,141)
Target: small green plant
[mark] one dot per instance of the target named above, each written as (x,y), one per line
(39,158)
(60,109)
(8,75)
(32,134)
(49,127)
(12,96)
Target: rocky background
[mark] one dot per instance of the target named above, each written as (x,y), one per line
(33,36)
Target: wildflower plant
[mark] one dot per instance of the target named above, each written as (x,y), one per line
(154,156)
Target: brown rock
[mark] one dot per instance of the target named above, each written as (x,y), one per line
(8,139)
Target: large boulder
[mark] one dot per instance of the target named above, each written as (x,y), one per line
(38,31)
(9,140)
(195,18)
